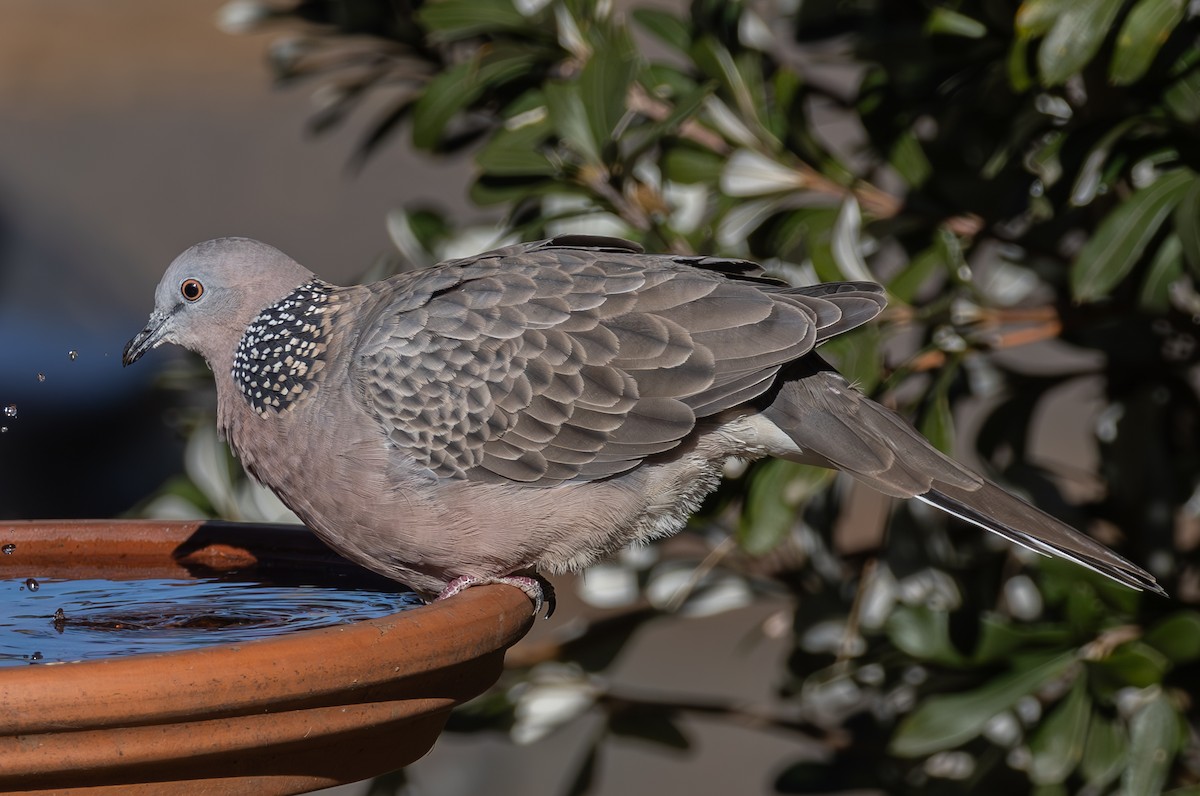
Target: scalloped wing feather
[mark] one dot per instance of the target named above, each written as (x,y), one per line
(577,358)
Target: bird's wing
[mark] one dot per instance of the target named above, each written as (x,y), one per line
(576,358)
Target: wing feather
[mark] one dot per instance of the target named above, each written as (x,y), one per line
(578,357)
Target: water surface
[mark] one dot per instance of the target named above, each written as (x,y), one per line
(47,620)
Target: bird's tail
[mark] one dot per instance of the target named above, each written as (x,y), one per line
(835,425)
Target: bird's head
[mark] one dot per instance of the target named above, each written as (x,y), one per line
(211,292)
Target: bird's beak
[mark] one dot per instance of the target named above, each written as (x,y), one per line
(147,338)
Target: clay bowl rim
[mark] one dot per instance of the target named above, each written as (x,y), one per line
(303,668)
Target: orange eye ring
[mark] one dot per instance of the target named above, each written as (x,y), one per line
(191,289)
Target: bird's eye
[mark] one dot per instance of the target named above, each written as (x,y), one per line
(191,289)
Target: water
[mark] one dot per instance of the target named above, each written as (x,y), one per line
(67,620)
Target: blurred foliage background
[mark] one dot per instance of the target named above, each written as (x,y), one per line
(1023,178)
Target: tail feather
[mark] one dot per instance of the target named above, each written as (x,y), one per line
(995,510)
(834,425)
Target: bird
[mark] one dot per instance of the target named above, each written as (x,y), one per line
(534,408)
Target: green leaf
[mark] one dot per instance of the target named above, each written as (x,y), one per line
(908,158)
(1154,736)
(923,634)
(952,23)
(453,90)
(787,87)
(1090,178)
(777,489)
(570,118)
(1035,17)
(665,26)
(821,222)
(450,20)
(1074,38)
(688,164)
(945,721)
(491,190)
(858,356)
(1165,268)
(1018,65)
(1049,790)
(904,285)
(1177,637)
(428,228)
(937,424)
(1183,97)
(1187,225)
(603,86)
(1057,744)
(1123,235)
(666,80)
(951,249)
(516,150)
(1000,639)
(1134,664)
(715,61)
(1143,33)
(1105,753)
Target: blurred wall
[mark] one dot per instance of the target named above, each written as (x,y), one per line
(129,130)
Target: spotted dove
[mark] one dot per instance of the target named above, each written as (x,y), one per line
(536,407)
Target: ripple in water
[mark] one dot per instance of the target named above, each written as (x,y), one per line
(70,620)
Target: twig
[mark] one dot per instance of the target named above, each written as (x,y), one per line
(845,647)
(703,568)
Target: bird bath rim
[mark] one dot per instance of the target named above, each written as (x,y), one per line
(284,714)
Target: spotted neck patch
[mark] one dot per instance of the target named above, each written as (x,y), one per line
(283,349)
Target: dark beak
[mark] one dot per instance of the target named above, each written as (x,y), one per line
(146,339)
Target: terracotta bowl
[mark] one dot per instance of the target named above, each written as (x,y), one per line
(286,714)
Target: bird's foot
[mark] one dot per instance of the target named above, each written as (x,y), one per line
(536,588)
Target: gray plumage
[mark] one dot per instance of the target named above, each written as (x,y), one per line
(539,406)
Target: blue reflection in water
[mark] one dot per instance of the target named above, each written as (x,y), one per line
(70,620)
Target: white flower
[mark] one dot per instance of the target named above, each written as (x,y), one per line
(609,586)
(711,594)
(747,173)
(554,695)
(528,8)
(241,16)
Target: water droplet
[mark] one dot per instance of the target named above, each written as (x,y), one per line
(10,410)
(32,584)
(3,429)
(74,355)
(41,377)
(8,549)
